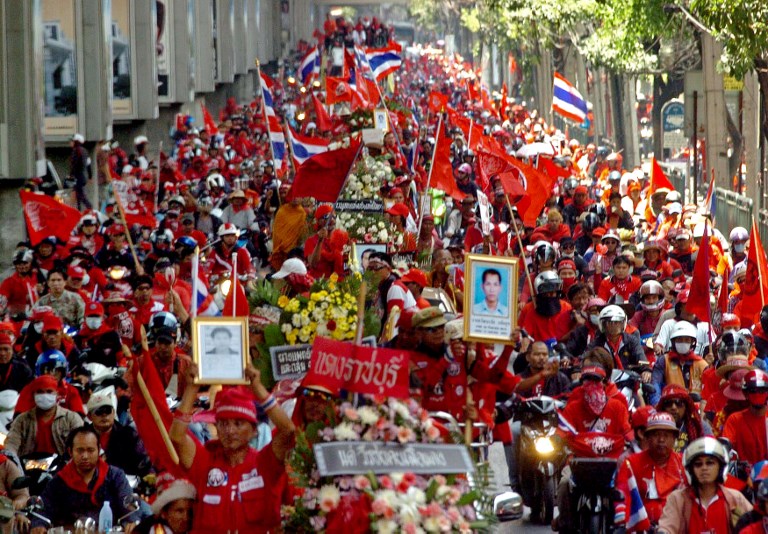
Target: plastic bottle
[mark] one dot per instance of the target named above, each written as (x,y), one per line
(105,518)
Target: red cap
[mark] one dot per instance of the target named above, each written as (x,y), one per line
(235,403)
(598,232)
(416,276)
(44,382)
(76,272)
(673,391)
(593,370)
(52,322)
(640,416)
(580,189)
(94,308)
(399,209)
(116,229)
(5,339)
(323,210)
(566,264)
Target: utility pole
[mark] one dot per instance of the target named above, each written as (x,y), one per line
(717,155)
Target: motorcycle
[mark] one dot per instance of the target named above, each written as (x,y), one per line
(593,493)
(540,459)
(39,469)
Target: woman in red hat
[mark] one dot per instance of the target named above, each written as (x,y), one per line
(397,215)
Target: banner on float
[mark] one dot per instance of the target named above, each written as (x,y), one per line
(370,370)
(364,206)
(362,457)
(290,362)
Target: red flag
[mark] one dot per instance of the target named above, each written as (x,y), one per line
(324,122)
(322,176)
(442,171)
(236,302)
(337,90)
(46,216)
(518,196)
(698,299)
(552,169)
(722,301)
(142,416)
(658,178)
(503,102)
(754,289)
(210,126)
(438,102)
(472,90)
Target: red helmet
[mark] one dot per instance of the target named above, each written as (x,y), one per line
(755,381)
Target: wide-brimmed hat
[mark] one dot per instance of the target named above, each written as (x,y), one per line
(734,363)
(734,390)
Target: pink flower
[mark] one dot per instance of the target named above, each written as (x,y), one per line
(368,238)
(454,495)
(386,482)
(351,414)
(382,508)
(362,482)
(406,482)
(405,434)
(445,523)
(434,509)
(453,514)
(410,528)
(433,433)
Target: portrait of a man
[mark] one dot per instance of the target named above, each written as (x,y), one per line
(493,295)
(221,342)
(220,349)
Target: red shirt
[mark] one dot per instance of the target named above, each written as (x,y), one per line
(613,420)
(747,433)
(624,288)
(44,437)
(546,328)
(241,498)
(710,385)
(710,518)
(667,478)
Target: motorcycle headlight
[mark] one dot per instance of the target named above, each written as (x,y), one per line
(544,445)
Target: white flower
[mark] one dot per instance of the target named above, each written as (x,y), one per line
(432,524)
(368,415)
(345,432)
(409,513)
(285,328)
(416,496)
(381,225)
(383,235)
(296,320)
(329,498)
(386,526)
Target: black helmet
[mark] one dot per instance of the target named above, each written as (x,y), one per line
(603,152)
(598,209)
(544,251)
(590,222)
(733,343)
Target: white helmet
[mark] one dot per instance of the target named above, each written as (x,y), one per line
(547,282)
(739,233)
(683,329)
(214,180)
(228,229)
(613,314)
(651,287)
(706,446)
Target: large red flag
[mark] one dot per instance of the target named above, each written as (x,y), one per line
(208,123)
(438,102)
(722,301)
(142,416)
(658,178)
(46,216)
(322,176)
(324,122)
(698,299)
(755,287)
(441,173)
(552,169)
(337,90)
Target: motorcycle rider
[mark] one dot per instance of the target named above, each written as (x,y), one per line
(651,304)
(746,429)
(223,253)
(548,318)
(21,288)
(676,401)
(658,470)
(681,365)
(706,505)
(613,337)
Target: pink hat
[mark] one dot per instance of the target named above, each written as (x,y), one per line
(236,403)
(661,421)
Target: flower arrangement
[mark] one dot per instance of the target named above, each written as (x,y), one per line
(367,178)
(396,502)
(360,119)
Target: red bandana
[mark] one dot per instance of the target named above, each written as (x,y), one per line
(75,482)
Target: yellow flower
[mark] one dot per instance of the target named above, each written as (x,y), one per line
(334,278)
(283,301)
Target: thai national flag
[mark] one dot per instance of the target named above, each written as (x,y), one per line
(267,88)
(638,516)
(276,135)
(305,147)
(384,61)
(309,65)
(567,101)
(202,303)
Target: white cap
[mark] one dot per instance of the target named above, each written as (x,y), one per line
(675,207)
(140,139)
(291,266)
(103,397)
(78,138)
(128,169)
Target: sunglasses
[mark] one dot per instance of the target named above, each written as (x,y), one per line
(314,394)
(103,410)
(432,329)
(674,402)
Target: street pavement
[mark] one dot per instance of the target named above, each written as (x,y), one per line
(499,466)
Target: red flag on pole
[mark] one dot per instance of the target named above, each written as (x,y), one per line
(438,102)
(337,90)
(755,287)
(698,299)
(324,122)
(236,302)
(142,415)
(323,176)
(46,216)
(722,301)
(658,178)
(441,173)
(208,123)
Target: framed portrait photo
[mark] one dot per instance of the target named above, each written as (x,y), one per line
(361,252)
(490,298)
(220,349)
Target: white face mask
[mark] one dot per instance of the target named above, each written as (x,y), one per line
(39,327)
(739,247)
(682,347)
(594,319)
(45,401)
(94,323)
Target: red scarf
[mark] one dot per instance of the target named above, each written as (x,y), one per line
(75,482)
(595,397)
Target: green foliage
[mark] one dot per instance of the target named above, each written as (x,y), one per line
(264,293)
(742,27)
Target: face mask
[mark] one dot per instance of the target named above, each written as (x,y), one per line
(45,401)
(547,306)
(595,396)
(39,327)
(682,347)
(568,282)
(94,323)
(739,247)
(594,319)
